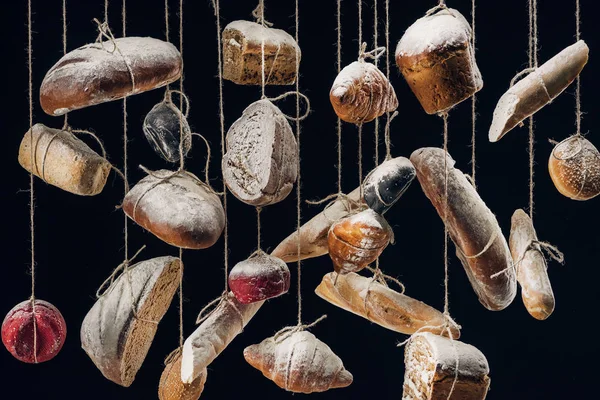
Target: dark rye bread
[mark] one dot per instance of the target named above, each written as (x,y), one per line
(431,368)
(97,73)
(118,331)
(472,228)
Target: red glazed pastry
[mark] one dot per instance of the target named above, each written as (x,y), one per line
(258,278)
(17,331)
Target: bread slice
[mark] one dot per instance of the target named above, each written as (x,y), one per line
(118,331)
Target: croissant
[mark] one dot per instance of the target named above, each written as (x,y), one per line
(172,388)
(361,93)
(575,168)
(382,305)
(299,363)
(356,241)
(531,267)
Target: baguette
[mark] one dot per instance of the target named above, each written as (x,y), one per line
(531,267)
(214,334)
(539,88)
(118,331)
(97,73)
(62,160)
(381,305)
(432,373)
(480,244)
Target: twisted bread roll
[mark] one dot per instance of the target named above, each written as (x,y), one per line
(361,93)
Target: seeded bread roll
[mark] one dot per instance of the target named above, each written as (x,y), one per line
(63,160)
(431,368)
(97,73)
(480,244)
(172,388)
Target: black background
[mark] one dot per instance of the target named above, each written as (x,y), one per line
(80,240)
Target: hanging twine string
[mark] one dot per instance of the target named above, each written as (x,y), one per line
(298,172)
(388,142)
(473,106)
(106,11)
(533,63)
(259,14)
(538,246)
(339,68)
(258,239)
(125,141)
(360,23)
(578,113)
(31,177)
(217,9)
(446,262)
(288,331)
(441,6)
(64,39)
(375,41)
(167,32)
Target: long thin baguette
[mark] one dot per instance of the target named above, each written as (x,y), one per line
(381,305)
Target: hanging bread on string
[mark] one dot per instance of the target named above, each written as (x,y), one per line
(361,92)
(118,331)
(165,127)
(214,334)
(298,362)
(537,89)
(62,160)
(357,240)
(530,266)
(480,244)
(386,183)
(391,181)
(177,208)
(244,43)
(438,368)
(379,304)
(18,331)
(437,59)
(259,278)
(172,388)
(108,70)
(260,165)
(574,167)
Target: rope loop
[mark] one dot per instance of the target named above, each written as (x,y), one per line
(259,14)
(292,93)
(541,247)
(288,331)
(108,283)
(374,54)
(211,307)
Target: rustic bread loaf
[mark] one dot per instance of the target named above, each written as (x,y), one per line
(431,369)
(214,334)
(258,278)
(531,267)
(437,59)
(172,388)
(480,244)
(539,88)
(180,210)
(61,159)
(99,72)
(118,331)
(299,362)
(165,127)
(574,167)
(380,304)
(361,93)
(243,54)
(261,163)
